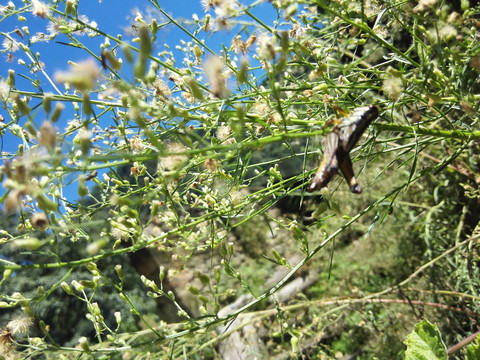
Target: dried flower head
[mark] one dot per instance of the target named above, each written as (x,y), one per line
(454,18)
(226,8)
(176,78)
(4,91)
(6,348)
(40,9)
(297,31)
(81,76)
(12,201)
(162,91)
(447,32)
(84,139)
(19,325)
(39,221)
(136,144)
(209,4)
(260,108)
(211,165)
(274,118)
(218,79)
(469,109)
(188,97)
(120,232)
(475,62)
(54,26)
(10,45)
(16,326)
(266,47)
(424,5)
(224,132)
(47,135)
(173,160)
(238,45)
(392,87)
(250,41)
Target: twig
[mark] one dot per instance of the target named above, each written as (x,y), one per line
(463,343)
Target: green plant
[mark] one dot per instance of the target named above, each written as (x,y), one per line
(182,160)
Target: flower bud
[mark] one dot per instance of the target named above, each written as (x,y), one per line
(11,78)
(21,105)
(66,288)
(48,135)
(197,52)
(119,270)
(87,105)
(193,86)
(47,102)
(29,243)
(128,53)
(117,65)
(79,287)
(118,317)
(162,273)
(44,327)
(7,273)
(83,341)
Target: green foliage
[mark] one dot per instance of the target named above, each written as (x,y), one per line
(190,219)
(473,350)
(425,343)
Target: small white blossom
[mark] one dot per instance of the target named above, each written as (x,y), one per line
(223,133)
(207,4)
(136,143)
(266,47)
(19,325)
(174,160)
(217,78)
(53,27)
(424,5)
(40,9)
(10,45)
(226,8)
(4,91)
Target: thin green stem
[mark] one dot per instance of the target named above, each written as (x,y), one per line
(364,27)
(443,134)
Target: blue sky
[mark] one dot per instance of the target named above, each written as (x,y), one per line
(113,17)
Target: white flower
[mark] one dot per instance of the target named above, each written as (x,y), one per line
(207,4)
(54,26)
(136,143)
(10,45)
(392,87)
(226,8)
(161,89)
(19,325)
(424,5)
(266,46)
(40,37)
(217,78)
(4,91)
(223,133)
(175,159)
(40,9)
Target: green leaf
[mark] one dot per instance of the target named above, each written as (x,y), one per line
(473,350)
(425,343)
